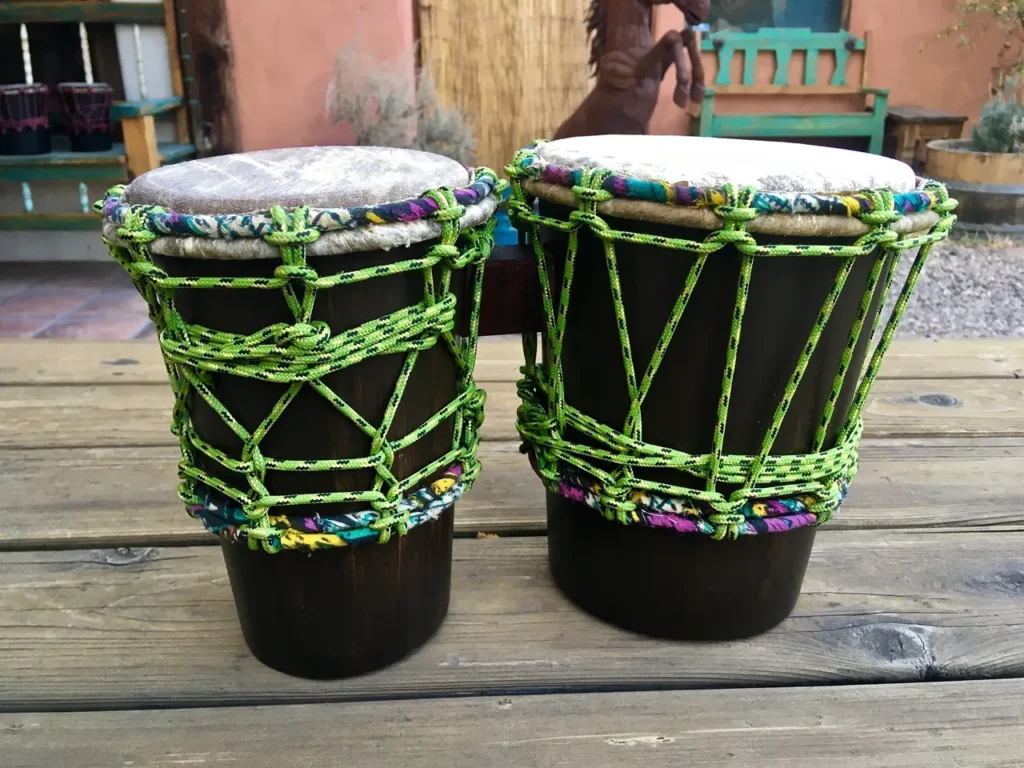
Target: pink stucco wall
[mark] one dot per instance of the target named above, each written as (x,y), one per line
(904,56)
(283,57)
(284,51)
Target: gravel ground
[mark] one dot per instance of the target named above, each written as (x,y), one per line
(968,289)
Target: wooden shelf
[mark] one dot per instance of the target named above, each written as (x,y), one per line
(81,166)
(125,109)
(65,222)
(110,13)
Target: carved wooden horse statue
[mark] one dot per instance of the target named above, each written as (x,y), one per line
(630,66)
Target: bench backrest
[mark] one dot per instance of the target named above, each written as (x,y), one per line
(784,42)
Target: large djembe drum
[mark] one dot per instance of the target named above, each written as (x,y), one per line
(317,310)
(714,319)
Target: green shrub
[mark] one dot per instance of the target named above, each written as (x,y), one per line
(394,104)
(1001,128)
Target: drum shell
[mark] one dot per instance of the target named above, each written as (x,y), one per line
(341,612)
(689,586)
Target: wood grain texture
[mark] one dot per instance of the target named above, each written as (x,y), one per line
(57,361)
(125,497)
(211,93)
(977,724)
(140,148)
(112,415)
(154,628)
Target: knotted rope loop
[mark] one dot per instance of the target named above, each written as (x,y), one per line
(306,274)
(291,228)
(299,354)
(604,465)
(305,336)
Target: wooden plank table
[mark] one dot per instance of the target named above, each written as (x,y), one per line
(119,643)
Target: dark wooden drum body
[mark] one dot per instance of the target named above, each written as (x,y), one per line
(329,606)
(654,572)
(657,581)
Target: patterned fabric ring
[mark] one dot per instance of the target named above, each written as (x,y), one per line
(681,515)
(230,226)
(529,165)
(224,516)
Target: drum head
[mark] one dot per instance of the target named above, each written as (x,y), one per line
(319,177)
(710,162)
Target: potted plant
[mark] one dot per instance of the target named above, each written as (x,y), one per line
(985,173)
(394,104)
(24,120)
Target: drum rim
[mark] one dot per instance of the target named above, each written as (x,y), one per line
(342,230)
(779,213)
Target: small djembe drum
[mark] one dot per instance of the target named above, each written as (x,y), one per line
(319,328)
(87,110)
(24,120)
(695,411)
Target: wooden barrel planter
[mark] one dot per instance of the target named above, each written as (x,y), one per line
(988,185)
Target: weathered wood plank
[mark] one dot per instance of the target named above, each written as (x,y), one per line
(23,12)
(107,415)
(124,497)
(55,361)
(977,724)
(156,628)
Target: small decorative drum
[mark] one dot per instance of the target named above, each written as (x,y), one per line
(24,120)
(711,307)
(317,312)
(87,108)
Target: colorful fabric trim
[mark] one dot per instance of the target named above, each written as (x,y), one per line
(682,515)
(530,166)
(223,516)
(231,226)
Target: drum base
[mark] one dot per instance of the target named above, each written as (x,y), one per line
(682,587)
(35,141)
(343,612)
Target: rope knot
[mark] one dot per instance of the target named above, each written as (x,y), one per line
(299,237)
(451,213)
(449,253)
(291,229)
(147,269)
(591,195)
(296,272)
(735,214)
(307,336)
(135,235)
(726,525)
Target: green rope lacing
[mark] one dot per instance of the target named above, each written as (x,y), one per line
(544,415)
(300,354)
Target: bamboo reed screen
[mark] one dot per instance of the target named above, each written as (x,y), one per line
(515,68)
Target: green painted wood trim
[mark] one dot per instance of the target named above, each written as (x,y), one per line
(80,222)
(707,113)
(782,42)
(123,109)
(853,124)
(110,13)
(811,68)
(81,166)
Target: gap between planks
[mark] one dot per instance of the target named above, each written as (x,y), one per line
(152,628)
(979,724)
(66,498)
(53,361)
(103,415)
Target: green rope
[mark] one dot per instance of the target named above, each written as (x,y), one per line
(301,353)
(544,416)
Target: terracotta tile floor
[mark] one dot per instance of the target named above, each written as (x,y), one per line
(70,301)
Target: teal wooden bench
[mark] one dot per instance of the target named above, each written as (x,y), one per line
(783,43)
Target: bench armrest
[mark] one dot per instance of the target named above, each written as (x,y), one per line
(876,91)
